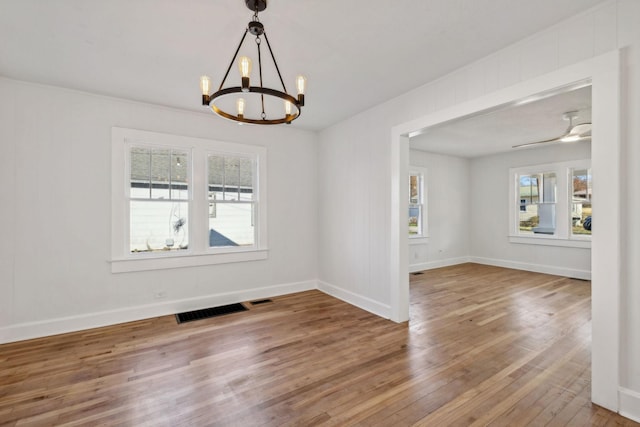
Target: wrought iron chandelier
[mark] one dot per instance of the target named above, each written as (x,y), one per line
(264,98)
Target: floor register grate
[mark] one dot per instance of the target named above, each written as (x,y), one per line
(205,313)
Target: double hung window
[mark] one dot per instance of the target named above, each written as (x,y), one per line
(581,202)
(231,200)
(158,199)
(551,204)
(180,201)
(537,213)
(417,198)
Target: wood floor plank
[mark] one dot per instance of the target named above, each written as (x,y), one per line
(484,346)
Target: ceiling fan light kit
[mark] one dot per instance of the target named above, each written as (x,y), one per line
(579,132)
(291,106)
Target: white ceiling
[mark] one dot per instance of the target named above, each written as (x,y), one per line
(355,53)
(499,130)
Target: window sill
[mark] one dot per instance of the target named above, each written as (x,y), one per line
(125,265)
(551,241)
(418,240)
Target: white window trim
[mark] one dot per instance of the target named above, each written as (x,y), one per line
(199,252)
(563,236)
(424,236)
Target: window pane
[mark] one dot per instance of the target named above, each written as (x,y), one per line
(160,173)
(140,171)
(528,218)
(416,206)
(179,186)
(581,179)
(529,189)
(581,219)
(231,178)
(537,208)
(231,224)
(414,189)
(549,187)
(415,222)
(158,226)
(539,218)
(216,177)
(246,179)
(581,202)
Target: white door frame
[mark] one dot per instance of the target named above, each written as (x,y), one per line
(604,74)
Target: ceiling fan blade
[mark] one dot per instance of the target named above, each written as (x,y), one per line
(575,133)
(581,129)
(528,144)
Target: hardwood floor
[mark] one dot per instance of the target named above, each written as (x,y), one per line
(485,346)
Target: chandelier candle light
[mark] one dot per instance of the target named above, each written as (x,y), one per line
(291,106)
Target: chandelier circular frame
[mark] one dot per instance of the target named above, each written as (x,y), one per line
(260,90)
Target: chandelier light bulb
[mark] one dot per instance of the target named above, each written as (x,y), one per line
(240,105)
(301,84)
(244,65)
(287,111)
(205,84)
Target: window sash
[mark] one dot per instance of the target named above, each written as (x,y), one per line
(235,231)
(578,230)
(155,234)
(417,200)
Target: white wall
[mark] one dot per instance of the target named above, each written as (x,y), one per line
(600,30)
(448,212)
(353,243)
(490,201)
(56,214)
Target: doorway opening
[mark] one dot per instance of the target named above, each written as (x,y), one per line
(603,73)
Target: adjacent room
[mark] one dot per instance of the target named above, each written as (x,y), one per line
(274,212)
(510,188)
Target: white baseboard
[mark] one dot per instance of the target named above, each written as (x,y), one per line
(24,331)
(360,301)
(437,264)
(538,268)
(629,404)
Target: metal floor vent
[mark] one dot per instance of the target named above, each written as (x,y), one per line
(205,313)
(261,301)
(417,273)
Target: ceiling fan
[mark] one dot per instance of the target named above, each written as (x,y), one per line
(579,132)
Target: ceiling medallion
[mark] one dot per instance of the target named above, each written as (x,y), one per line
(289,108)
